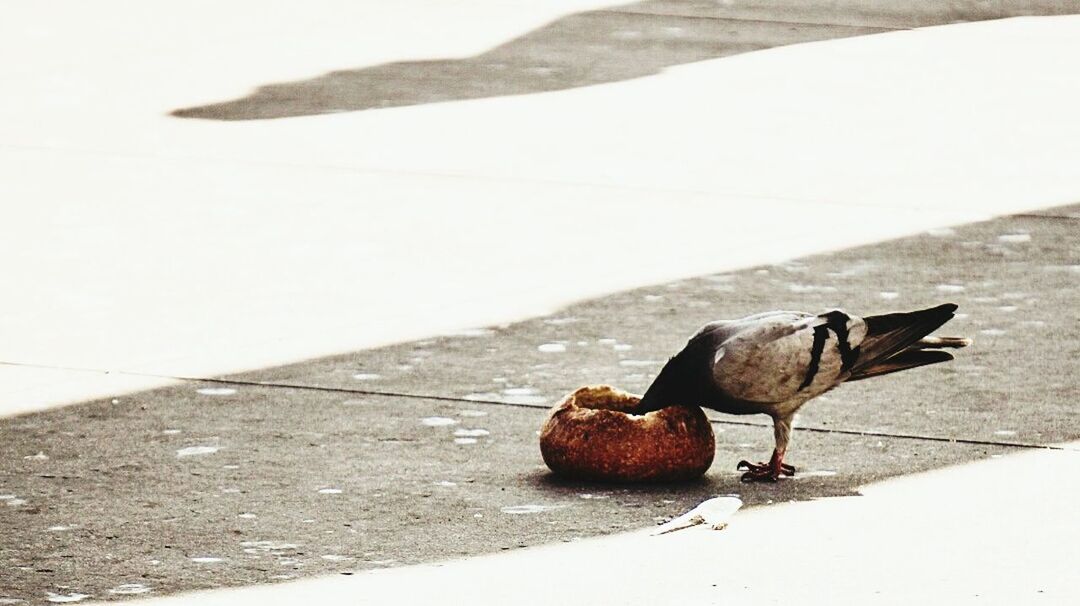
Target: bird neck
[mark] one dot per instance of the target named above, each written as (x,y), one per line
(672,386)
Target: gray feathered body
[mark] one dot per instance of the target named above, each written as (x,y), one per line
(775,362)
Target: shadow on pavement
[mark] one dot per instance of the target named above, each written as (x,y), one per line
(601,46)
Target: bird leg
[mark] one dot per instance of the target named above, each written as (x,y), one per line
(766,472)
(771,471)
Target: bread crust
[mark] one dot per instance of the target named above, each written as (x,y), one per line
(589,435)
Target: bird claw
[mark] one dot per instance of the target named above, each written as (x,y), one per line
(764,472)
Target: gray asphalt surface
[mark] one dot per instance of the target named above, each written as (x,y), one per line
(312,472)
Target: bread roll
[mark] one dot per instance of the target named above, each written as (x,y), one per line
(590,436)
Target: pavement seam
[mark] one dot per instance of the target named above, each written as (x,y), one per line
(1051,217)
(751,20)
(969,216)
(461,400)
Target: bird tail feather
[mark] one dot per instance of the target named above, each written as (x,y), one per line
(909,358)
(899,341)
(942,342)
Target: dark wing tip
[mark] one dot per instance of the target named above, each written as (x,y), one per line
(902,361)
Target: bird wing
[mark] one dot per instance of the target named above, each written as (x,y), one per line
(784,356)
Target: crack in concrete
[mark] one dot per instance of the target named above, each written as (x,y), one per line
(485,402)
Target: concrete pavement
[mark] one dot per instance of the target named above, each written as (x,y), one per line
(947,536)
(177,248)
(175,244)
(610,44)
(404,454)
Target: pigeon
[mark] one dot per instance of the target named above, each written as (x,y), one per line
(772,363)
